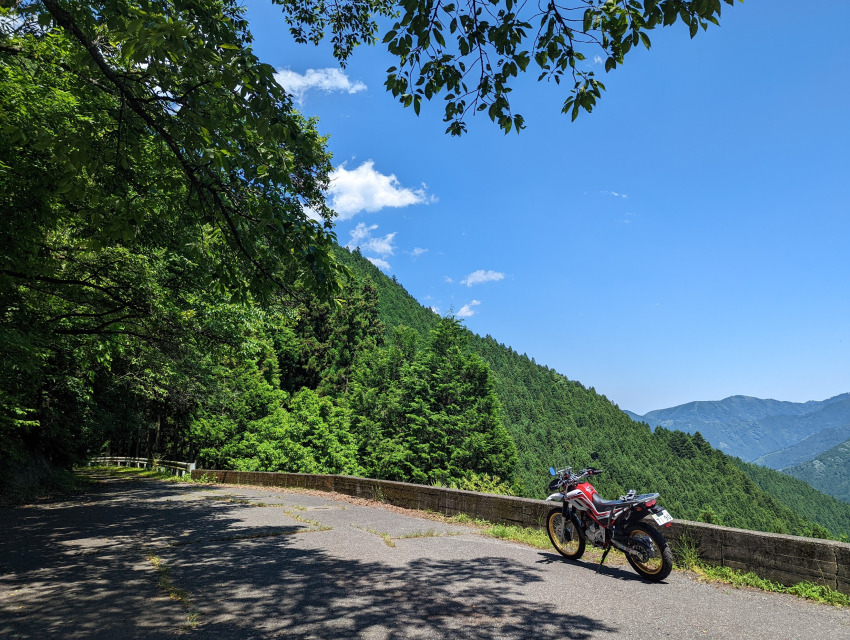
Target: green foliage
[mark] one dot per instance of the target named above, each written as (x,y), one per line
(429,415)
(146,205)
(471,53)
(396,307)
(807,590)
(829,517)
(310,436)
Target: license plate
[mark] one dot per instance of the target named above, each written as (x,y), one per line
(663,517)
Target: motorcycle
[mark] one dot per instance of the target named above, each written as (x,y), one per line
(585,517)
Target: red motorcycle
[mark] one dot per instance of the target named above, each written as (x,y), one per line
(585,517)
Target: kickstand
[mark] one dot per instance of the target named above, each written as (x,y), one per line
(604,555)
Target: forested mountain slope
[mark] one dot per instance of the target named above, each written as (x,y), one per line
(807,449)
(829,472)
(800,495)
(557,421)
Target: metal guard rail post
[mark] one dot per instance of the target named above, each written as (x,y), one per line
(177,468)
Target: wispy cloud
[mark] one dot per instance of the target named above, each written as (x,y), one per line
(381,264)
(467,310)
(614,194)
(418,251)
(597,60)
(361,236)
(365,189)
(327,80)
(480,276)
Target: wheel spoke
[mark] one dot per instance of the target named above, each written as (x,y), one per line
(564,535)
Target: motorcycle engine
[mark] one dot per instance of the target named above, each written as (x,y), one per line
(595,534)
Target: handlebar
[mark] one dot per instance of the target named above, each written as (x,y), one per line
(568,475)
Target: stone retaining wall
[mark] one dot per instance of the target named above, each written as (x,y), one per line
(784,559)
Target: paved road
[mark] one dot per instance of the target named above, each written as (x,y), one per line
(244,563)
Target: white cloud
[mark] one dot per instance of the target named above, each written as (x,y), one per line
(597,60)
(327,80)
(311,213)
(614,193)
(365,189)
(466,311)
(418,251)
(449,280)
(477,277)
(381,264)
(361,236)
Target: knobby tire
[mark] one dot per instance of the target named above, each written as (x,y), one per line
(570,546)
(659,562)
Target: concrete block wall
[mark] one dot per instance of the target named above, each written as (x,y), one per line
(780,558)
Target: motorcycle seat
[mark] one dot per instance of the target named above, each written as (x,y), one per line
(606,505)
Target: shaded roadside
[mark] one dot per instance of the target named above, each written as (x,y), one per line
(151,559)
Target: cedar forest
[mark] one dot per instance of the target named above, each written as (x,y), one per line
(164,294)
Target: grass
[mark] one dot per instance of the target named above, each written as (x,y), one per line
(524,535)
(138,472)
(430,533)
(687,559)
(382,535)
(288,510)
(166,584)
(531,536)
(739,579)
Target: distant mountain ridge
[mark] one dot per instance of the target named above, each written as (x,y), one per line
(829,472)
(751,428)
(807,449)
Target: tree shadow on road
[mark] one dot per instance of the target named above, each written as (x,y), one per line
(620,572)
(311,593)
(79,569)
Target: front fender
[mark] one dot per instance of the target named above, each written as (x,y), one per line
(556,497)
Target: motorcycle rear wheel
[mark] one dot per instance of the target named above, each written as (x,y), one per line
(659,561)
(564,534)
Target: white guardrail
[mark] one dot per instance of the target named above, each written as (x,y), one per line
(177,468)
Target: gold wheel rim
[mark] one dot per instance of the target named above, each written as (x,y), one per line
(557,524)
(655,563)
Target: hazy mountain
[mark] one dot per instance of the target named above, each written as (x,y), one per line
(806,449)
(829,472)
(751,427)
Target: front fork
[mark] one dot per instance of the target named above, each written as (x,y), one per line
(566,534)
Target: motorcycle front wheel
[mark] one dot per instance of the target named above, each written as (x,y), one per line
(564,534)
(655,561)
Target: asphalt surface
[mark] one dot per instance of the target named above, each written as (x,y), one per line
(151,559)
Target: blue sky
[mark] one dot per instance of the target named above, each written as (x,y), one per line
(688,240)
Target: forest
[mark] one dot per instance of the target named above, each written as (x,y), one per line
(164,291)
